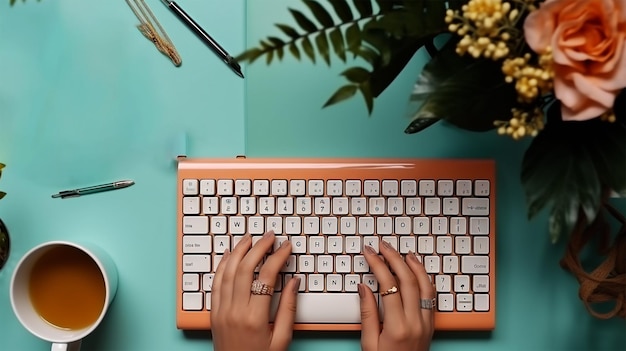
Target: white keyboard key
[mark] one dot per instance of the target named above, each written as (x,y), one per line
(221,243)
(461,283)
(329,225)
(443,283)
(351,282)
(475,206)
(285,205)
(445,302)
(432,206)
(190,187)
(407,244)
(195,225)
(267,205)
(384,225)
(334,282)
(439,225)
(408,188)
(481,245)
(298,244)
(197,244)
(207,298)
(316,187)
(348,225)
(247,205)
(353,244)
(402,225)
(481,188)
(450,264)
(371,282)
(450,206)
(192,301)
(325,263)
(463,188)
(334,188)
(360,264)
(225,187)
(261,187)
(256,225)
(432,264)
(377,206)
(191,205)
(323,308)
(353,187)
(371,188)
(207,187)
(372,241)
(480,283)
(317,244)
(475,264)
(278,241)
(395,206)
(427,188)
(237,225)
(191,282)
(479,225)
(464,302)
(293,225)
(210,205)
(358,206)
(207,281)
(366,225)
(304,206)
(444,245)
(278,187)
(243,187)
(275,224)
(322,206)
(421,225)
(481,302)
(335,244)
(425,245)
(297,187)
(391,240)
(196,263)
(340,205)
(291,264)
(445,188)
(316,282)
(390,188)
(462,245)
(229,205)
(343,264)
(219,225)
(311,225)
(306,263)
(458,225)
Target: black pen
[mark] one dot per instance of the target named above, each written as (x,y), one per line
(94,189)
(204,36)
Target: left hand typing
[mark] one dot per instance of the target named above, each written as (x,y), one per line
(239,317)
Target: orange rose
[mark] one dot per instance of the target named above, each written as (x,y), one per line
(588,41)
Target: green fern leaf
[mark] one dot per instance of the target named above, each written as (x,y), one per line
(364,7)
(336,39)
(308,48)
(366,91)
(289,31)
(295,52)
(320,13)
(342,9)
(356,75)
(343,93)
(306,24)
(353,37)
(322,46)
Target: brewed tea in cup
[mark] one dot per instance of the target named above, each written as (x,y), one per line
(60,291)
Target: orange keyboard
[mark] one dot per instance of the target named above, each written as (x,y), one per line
(443,210)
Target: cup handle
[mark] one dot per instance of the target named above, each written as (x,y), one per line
(72,346)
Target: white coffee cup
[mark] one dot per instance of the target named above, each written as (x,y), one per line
(61,339)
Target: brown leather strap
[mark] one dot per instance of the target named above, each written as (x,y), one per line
(607,281)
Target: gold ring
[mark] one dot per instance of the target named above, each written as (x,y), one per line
(260,288)
(389,291)
(428,304)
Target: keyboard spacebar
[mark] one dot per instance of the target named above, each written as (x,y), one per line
(324,308)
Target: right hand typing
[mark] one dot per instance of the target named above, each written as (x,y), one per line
(406,325)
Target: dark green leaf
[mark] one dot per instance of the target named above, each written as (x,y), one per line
(353,37)
(469,93)
(308,49)
(322,46)
(417,125)
(303,21)
(356,75)
(276,41)
(336,39)
(342,9)
(2,194)
(343,93)
(289,31)
(293,49)
(249,55)
(364,7)
(269,56)
(320,13)
(367,95)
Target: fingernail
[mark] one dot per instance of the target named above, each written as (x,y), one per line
(296,287)
(360,288)
(370,250)
(388,245)
(268,234)
(285,243)
(411,256)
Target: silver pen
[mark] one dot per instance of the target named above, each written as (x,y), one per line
(94,189)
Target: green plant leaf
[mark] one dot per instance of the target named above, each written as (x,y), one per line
(320,13)
(563,170)
(322,46)
(336,39)
(342,9)
(466,92)
(364,7)
(366,92)
(308,49)
(343,93)
(306,24)
(356,75)
(2,194)
(289,31)
(293,49)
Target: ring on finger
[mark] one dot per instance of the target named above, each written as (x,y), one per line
(428,304)
(260,288)
(389,291)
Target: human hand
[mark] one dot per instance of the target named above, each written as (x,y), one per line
(406,325)
(239,318)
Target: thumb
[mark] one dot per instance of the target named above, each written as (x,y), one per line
(370,321)
(285,315)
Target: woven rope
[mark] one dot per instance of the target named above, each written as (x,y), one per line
(606,282)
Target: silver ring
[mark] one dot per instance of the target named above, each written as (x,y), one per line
(260,288)
(428,304)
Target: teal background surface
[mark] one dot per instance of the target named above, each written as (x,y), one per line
(86,99)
